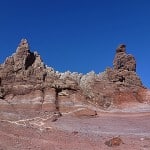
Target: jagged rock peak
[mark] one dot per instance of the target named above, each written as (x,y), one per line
(23,47)
(26,83)
(123,60)
(121,48)
(24,43)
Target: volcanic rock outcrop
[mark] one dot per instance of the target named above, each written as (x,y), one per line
(26,84)
(123,60)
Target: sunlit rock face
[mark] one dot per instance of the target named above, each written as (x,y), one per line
(123,60)
(27,84)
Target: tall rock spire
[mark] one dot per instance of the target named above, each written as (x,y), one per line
(21,55)
(123,60)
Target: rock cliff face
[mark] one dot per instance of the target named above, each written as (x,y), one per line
(26,84)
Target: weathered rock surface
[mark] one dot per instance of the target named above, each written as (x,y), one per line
(124,61)
(27,84)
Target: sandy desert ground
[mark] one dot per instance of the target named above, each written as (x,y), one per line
(72,132)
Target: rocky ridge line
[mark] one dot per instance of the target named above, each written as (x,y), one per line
(26,83)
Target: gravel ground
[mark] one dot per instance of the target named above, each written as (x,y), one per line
(76,133)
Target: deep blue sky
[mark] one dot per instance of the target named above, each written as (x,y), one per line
(78,35)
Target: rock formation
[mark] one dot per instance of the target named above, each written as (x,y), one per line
(123,60)
(26,84)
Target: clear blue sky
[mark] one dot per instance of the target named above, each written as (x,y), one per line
(78,35)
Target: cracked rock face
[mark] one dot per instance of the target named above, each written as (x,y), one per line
(26,84)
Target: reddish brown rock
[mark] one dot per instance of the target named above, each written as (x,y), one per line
(49,99)
(124,61)
(27,84)
(116,141)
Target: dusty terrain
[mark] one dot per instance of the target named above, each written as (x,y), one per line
(72,132)
(43,109)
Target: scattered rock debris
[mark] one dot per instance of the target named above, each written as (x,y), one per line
(75,132)
(116,141)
